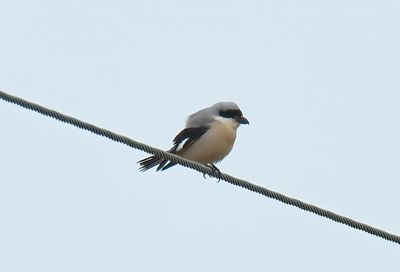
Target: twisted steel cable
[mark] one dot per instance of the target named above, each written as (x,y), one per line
(200,168)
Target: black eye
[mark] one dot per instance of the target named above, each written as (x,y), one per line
(230,113)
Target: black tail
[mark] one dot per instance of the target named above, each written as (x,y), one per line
(152,161)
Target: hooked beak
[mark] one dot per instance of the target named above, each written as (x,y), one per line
(243,120)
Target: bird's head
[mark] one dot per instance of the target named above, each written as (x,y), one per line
(230,112)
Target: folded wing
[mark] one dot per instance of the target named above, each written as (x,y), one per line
(182,141)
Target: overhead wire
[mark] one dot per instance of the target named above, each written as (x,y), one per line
(200,167)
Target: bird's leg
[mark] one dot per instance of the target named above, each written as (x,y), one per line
(215,171)
(204,174)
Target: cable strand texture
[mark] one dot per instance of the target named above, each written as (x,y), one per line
(200,168)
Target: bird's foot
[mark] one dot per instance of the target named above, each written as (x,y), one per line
(215,171)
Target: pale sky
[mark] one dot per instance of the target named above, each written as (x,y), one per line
(319,82)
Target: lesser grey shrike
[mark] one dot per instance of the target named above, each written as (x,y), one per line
(208,137)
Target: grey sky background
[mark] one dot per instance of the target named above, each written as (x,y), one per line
(318,80)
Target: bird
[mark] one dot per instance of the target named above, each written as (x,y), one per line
(208,137)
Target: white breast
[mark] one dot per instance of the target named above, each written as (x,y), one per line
(215,144)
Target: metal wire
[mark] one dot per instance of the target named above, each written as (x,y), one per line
(200,168)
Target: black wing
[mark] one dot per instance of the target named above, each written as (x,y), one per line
(187,136)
